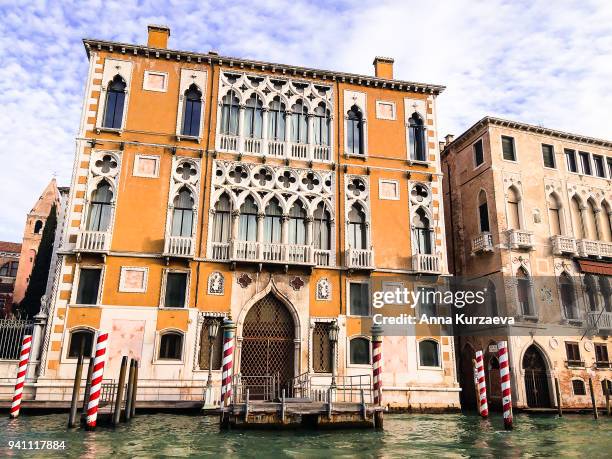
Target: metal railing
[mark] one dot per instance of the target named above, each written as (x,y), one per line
(600,320)
(12,332)
(263,388)
(316,387)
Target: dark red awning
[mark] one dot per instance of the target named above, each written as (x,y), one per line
(596,267)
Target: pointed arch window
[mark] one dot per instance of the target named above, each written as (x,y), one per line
(591,230)
(554,215)
(606,292)
(590,288)
(115,101)
(514,215)
(273,222)
(322,228)
(568,296)
(276,120)
(354,131)
(357,228)
(192,111)
(483,212)
(577,222)
(182,214)
(230,111)
(297,224)
(248,220)
(606,221)
(253,117)
(100,208)
(222,221)
(38,226)
(416,138)
(422,232)
(523,289)
(321,125)
(491,299)
(299,123)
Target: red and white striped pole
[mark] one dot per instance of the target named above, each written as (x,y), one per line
(24,357)
(96,379)
(227,373)
(504,373)
(377,364)
(482,386)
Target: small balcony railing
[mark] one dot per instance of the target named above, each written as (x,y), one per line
(228,142)
(426,263)
(299,151)
(322,153)
(220,251)
(274,148)
(520,239)
(600,320)
(563,245)
(271,252)
(360,258)
(599,249)
(253,146)
(323,257)
(179,246)
(93,241)
(482,243)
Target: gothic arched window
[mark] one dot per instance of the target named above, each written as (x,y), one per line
(100,208)
(276,120)
(182,214)
(483,212)
(230,111)
(523,289)
(299,123)
(577,222)
(514,215)
(322,228)
(354,131)
(554,215)
(253,117)
(416,138)
(222,221)
(297,224)
(192,111)
(321,125)
(568,296)
(115,101)
(248,220)
(590,288)
(357,228)
(38,226)
(273,221)
(591,221)
(422,232)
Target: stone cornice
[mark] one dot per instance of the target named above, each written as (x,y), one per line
(246,64)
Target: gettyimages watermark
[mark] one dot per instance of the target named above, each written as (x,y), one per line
(541,306)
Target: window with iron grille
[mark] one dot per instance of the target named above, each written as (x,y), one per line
(321,348)
(578,387)
(573,354)
(217,349)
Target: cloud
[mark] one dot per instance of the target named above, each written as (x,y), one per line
(534,61)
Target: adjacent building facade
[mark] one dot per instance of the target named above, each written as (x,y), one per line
(208,187)
(9,265)
(529,211)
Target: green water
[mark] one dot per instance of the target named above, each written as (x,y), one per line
(447,435)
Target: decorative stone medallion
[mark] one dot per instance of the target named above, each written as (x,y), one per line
(296,283)
(244,280)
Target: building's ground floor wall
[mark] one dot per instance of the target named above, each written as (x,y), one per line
(535,362)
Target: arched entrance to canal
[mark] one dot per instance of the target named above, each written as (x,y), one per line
(536,378)
(268,346)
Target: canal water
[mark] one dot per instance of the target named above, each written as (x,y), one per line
(445,435)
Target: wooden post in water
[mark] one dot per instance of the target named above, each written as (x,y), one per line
(135,389)
(608,398)
(120,387)
(558,393)
(130,389)
(76,388)
(476,392)
(88,385)
(595,415)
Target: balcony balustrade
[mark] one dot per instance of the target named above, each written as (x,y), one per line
(93,241)
(269,252)
(179,246)
(563,245)
(599,249)
(482,243)
(274,148)
(600,321)
(360,258)
(520,239)
(426,263)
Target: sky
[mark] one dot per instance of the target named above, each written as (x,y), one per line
(541,62)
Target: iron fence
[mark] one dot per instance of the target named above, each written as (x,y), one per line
(12,332)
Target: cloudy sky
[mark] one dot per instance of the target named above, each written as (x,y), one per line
(541,62)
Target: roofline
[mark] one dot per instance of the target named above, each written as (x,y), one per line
(491,120)
(242,64)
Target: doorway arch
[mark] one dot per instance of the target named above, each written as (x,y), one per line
(268,345)
(536,378)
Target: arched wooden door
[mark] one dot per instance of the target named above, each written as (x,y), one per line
(268,346)
(536,379)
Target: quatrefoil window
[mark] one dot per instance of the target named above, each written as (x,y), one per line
(310,181)
(356,186)
(106,164)
(263,176)
(186,170)
(287,179)
(238,174)
(419,193)
(328,182)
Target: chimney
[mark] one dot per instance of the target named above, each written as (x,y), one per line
(158,36)
(448,138)
(383,67)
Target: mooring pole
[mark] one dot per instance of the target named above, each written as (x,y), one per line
(504,373)
(130,389)
(608,398)
(22,369)
(76,388)
(120,387)
(593,403)
(476,393)
(558,393)
(135,389)
(88,384)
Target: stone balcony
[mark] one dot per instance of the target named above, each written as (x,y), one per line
(360,258)
(563,245)
(93,241)
(482,243)
(274,148)
(520,239)
(426,263)
(600,321)
(179,246)
(598,249)
(266,252)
